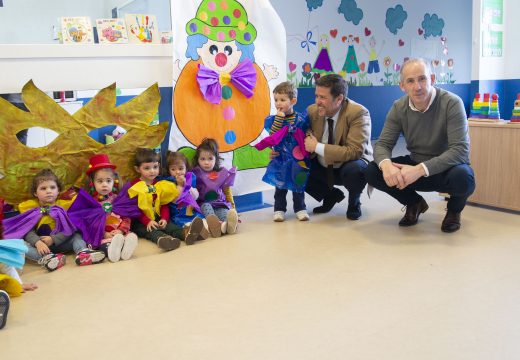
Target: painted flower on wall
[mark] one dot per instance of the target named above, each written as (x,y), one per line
(306,75)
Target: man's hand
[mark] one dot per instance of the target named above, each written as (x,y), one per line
(310,143)
(273,154)
(410,174)
(392,175)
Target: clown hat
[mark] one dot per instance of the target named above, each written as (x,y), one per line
(99,161)
(222,21)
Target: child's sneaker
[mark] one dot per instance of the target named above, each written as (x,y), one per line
(129,246)
(89,257)
(214,225)
(114,248)
(5,301)
(53,261)
(194,230)
(232,221)
(302,215)
(278,216)
(168,243)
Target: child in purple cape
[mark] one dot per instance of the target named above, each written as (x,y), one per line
(214,185)
(104,216)
(45,226)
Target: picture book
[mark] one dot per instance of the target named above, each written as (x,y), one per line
(142,28)
(76,30)
(111,31)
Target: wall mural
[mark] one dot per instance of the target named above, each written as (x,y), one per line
(362,56)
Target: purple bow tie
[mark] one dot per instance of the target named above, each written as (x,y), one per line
(243,77)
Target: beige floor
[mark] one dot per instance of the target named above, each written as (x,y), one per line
(326,289)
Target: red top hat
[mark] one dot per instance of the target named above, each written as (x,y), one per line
(99,161)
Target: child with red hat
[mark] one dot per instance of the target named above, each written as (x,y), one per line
(103,216)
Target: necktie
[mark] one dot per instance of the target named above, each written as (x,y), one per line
(330,168)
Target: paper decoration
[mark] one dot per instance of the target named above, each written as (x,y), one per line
(142,29)
(111,31)
(68,154)
(76,30)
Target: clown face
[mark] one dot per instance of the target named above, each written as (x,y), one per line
(221,57)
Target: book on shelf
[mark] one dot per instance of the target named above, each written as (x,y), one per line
(142,29)
(111,31)
(76,30)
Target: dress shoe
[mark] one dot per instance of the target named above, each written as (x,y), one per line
(412,213)
(451,222)
(354,211)
(329,202)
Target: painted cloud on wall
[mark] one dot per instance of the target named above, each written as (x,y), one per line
(350,11)
(314,4)
(432,25)
(395,18)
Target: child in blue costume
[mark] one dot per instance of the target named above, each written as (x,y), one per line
(184,210)
(214,185)
(45,226)
(289,167)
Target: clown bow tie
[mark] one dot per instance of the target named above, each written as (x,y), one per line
(243,77)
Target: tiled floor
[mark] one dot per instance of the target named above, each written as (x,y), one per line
(329,288)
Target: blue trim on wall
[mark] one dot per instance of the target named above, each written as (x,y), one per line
(379,99)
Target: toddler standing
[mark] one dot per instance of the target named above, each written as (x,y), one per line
(289,167)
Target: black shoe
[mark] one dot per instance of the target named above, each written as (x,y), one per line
(329,202)
(354,211)
(451,222)
(412,213)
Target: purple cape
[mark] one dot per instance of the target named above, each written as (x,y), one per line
(18,226)
(90,217)
(185,198)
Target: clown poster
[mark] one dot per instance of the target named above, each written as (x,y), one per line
(228,55)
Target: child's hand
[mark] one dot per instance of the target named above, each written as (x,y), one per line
(47,240)
(29,287)
(280,113)
(181,180)
(194,193)
(42,248)
(273,154)
(152,225)
(115,232)
(163,223)
(107,235)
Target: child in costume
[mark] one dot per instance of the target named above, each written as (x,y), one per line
(214,185)
(103,216)
(289,169)
(184,210)
(45,226)
(153,198)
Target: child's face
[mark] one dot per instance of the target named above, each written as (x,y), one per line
(283,103)
(47,192)
(148,171)
(104,181)
(206,160)
(178,168)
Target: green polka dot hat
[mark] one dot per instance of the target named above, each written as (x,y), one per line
(222,20)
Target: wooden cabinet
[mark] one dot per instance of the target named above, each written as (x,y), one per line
(495,158)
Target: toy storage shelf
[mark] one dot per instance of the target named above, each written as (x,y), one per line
(494,149)
(84,67)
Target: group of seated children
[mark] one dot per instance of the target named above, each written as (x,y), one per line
(106,222)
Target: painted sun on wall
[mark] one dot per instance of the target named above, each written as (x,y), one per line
(362,56)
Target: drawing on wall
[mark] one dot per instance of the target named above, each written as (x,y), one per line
(432,25)
(142,28)
(395,18)
(221,89)
(380,61)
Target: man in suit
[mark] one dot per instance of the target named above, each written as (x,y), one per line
(339,139)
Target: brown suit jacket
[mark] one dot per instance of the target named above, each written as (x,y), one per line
(352,133)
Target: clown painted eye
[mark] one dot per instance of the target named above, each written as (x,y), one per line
(213,49)
(228,50)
